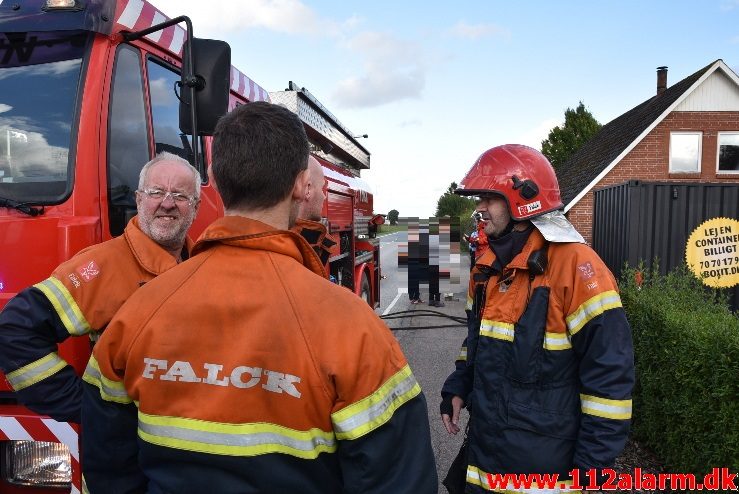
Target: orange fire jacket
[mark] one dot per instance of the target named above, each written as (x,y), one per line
(244,370)
(80,297)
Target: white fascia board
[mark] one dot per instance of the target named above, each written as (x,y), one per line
(730,73)
(630,147)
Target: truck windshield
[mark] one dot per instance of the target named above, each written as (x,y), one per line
(39,79)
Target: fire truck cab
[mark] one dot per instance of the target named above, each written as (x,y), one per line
(90,90)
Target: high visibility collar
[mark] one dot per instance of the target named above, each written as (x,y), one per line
(535,242)
(252,234)
(486,259)
(508,246)
(312,231)
(151,256)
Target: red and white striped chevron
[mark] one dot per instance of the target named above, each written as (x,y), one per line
(28,428)
(135,15)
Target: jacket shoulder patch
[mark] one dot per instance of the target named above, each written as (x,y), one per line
(89,271)
(586,270)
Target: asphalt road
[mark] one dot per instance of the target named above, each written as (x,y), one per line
(395,280)
(430,352)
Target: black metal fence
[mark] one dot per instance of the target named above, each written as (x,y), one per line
(643,221)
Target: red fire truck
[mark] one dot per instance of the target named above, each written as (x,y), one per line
(90,90)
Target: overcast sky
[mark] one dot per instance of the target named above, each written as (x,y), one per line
(435,84)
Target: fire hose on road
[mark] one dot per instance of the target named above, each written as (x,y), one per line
(461,321)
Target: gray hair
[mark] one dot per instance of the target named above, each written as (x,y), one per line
(166,156)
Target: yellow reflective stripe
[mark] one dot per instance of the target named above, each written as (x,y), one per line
(480,478)
(36,371)
(591,309)
(371,412)
(219,438)
(474,477)
(602,407)
(65,306)
(556,341)
(469,302)
(462,353)
(496,329)
(109,390)
(84,485)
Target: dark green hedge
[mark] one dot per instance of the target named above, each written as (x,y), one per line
(686,343)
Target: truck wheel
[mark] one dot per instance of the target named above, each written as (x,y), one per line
(364,291)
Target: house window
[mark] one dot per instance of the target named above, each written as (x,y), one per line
(728,152)
(685,152)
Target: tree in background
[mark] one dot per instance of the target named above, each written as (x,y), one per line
(562,142)
(453,205)
(392,216)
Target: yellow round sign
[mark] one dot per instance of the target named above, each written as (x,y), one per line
(712,252)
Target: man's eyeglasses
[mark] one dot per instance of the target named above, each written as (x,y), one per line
(161,195)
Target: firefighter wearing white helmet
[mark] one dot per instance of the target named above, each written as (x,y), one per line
(547,370)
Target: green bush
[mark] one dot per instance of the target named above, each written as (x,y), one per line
(686,345)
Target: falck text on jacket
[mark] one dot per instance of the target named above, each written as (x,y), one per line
(241,376)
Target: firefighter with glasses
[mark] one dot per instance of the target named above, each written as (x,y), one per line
(547,369)
(82,294)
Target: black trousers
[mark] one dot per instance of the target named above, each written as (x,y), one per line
(434,283)
(414,280)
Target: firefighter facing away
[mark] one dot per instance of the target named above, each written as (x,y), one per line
(82,294)
(244,370)
(546,370)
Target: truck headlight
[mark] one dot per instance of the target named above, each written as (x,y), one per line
(60,4)
(36,463)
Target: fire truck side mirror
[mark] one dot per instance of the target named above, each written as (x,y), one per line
(212,80)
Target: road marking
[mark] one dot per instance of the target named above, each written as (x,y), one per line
(401,291)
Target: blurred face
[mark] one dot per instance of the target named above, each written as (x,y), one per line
(495,215)
(166,219)
(313,204)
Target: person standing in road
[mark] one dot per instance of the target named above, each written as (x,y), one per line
(243,370)
(82,294)
(435,259)
(417,259)
(548,370)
